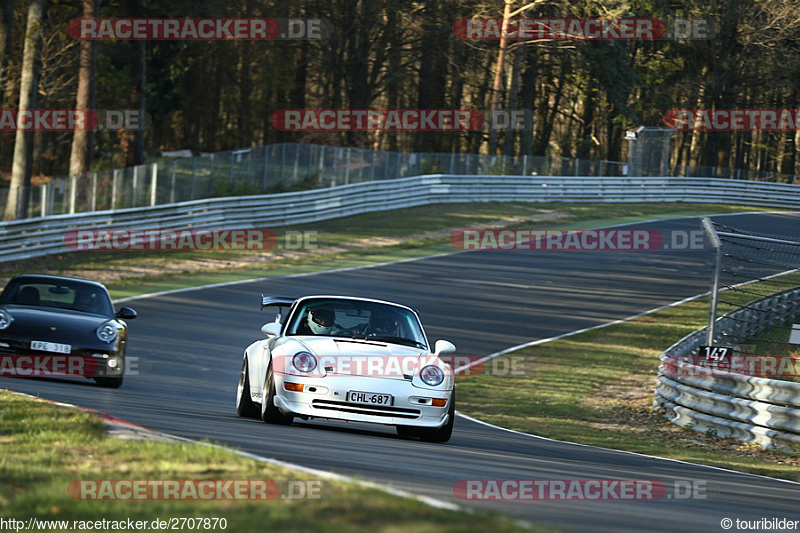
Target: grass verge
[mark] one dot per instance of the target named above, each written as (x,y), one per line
(44,446)
(597,388)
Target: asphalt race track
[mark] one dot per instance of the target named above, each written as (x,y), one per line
(190,346)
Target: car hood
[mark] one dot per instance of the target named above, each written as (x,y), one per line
(38,323)
(344,346)
(358,357)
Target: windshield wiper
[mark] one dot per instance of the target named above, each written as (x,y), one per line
(398,340)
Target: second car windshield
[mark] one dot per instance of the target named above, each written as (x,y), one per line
(71,296)
(355,319)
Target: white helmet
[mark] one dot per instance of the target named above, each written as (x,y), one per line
(321,320)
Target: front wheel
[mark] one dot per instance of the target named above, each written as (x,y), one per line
(244,402)
(269,413)
(443,433)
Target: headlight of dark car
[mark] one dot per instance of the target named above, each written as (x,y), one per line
(5,319)
(107,332)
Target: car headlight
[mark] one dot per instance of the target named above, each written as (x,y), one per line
(432,375)
(5,319)
(107,332)
(304,362)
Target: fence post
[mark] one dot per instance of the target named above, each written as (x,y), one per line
(43,197)
(154,184)
(94,191)
(712,308)
(266,163)
(114,189)
(347,168)
(73,185)
(321,164)
(283,162)
(135,186)
(172,185)
(249,166)
(194,172)
(296,163)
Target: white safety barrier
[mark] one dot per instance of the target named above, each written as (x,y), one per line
(43,236)
(748,408)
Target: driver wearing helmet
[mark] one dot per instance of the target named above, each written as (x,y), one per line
(320,321)
(383,324)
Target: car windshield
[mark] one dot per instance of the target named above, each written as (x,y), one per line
(359,320)
(60,294)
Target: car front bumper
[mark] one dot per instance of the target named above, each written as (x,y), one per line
(326,397)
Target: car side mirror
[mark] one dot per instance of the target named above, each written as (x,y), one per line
(271,329)
(126,313)
(442,347)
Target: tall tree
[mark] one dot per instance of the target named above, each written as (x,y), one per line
(135,154)
(80,156)
(6,30)
(19,192)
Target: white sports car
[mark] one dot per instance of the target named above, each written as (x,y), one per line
(350,359)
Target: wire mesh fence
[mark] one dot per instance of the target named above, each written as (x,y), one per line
(290,167)
(758,275)
(276,168)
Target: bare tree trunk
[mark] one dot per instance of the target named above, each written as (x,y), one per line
(135,154)
(6,29)
(512,101)
(81,139)
(19,192)
(498,75)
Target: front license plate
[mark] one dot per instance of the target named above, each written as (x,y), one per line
(50,347)
(369,398)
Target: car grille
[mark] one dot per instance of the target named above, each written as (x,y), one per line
(374,410)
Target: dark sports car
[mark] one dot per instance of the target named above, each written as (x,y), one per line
(57,326)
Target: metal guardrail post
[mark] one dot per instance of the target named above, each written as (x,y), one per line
(712,308)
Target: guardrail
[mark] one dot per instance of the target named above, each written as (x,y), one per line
(43,236)
(748,408)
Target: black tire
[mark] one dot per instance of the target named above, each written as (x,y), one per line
(269,413)
(109,383)
(443,433)
(244,403)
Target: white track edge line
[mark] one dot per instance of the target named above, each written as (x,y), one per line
(689,463)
